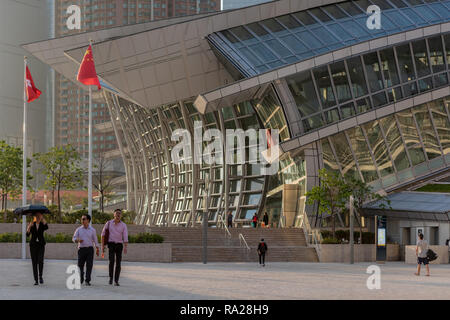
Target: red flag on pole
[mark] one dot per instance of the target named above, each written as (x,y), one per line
(32,92)
(87,74)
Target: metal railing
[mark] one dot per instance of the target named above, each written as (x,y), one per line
(313,236)
(243,241)
(220,221)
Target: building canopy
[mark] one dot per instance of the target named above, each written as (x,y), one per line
(413,205)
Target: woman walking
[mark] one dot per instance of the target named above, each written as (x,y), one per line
(36,229)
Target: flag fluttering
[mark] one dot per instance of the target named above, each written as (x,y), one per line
(87,74)
(32,92)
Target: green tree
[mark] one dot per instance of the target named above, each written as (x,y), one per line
(61,167)
(102,178)
(11,173)
(331,195)
(362,193)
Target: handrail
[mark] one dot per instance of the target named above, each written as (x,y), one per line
(313,236)
(220,219)
(242,239)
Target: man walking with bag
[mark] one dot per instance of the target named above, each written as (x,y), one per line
(115,235)
(262,249)
(86,237)
(421,253)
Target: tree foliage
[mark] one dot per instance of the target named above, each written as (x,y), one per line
(61,167)
(102,178)
(331,195)
(11,173)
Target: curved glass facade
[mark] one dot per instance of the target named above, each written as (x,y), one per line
(393,149)
(334,92)
(269,44)
(165,192)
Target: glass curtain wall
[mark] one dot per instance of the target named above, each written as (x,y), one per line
(393,149)
(334,92)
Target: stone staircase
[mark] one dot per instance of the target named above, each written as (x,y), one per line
(285,245)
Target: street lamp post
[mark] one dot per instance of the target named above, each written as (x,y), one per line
(352,244)
(205,222)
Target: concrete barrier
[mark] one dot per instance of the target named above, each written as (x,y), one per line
(138,252)
(363,253)
(441,251)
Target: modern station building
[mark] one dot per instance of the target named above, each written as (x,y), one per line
(371,103)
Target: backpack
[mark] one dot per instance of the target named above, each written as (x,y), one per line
(431,255)
(447,241)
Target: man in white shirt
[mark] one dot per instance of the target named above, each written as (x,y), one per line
(86,238)
(421,253)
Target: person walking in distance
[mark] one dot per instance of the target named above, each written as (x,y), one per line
(36,229)
(115,235)
(421,253)
(255,220)
(86,237)
(262,249)
(230,220)
(266,219)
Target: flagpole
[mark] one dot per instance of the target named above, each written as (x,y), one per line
(90,153)
(24,160)
(90,156)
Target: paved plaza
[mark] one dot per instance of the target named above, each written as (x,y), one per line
(227,281)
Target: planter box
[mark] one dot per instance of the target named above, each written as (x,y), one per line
(138,252)
(363,253)
(441,251)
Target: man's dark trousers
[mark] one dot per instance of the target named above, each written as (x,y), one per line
(115,251)
(86,256)
(262,257)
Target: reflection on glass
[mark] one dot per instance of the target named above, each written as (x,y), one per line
(410,89)
(302,89)
(373,71)
(363,105)
(436,54)
(405,63)
(329,161)
(394,94)
(441,122)
(323,82)
(271,114)
(339,76)
(379,149)
(425,84)
(313,122)
(356,73)
(395,143)
(362,154)
(447,47)
(421,58)
(410,136)
(389,68)
(429,139)
(344,154)
(331,115)
(347,110)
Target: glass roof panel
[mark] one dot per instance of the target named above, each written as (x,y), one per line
(319,30)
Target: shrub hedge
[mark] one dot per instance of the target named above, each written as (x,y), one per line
(67,238)
(367,237)
(73,217)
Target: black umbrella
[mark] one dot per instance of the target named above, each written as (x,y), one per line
(31,209)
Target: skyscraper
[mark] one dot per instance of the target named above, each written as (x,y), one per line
(13,33)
